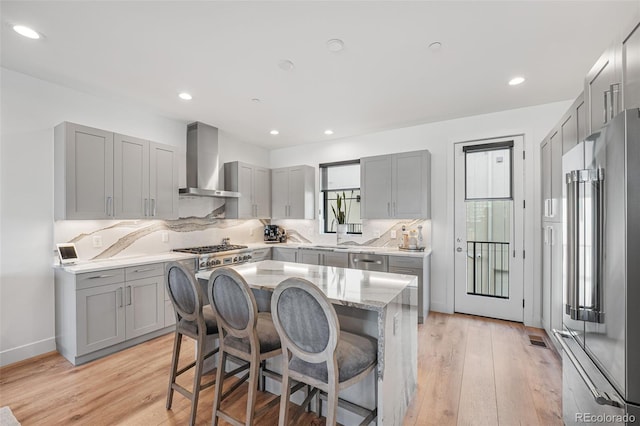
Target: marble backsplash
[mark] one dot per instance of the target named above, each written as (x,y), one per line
(201,223)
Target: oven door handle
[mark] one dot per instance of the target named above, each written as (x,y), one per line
(600,397)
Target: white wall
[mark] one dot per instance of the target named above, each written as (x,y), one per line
(30,109)
(533,122)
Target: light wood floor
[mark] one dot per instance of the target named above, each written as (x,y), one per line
(471,371)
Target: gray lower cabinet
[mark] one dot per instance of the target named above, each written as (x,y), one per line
(323,257)
(100,321)
(337,259)
(419,267)
(101,312)
(285,254)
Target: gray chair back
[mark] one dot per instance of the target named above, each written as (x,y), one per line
(305,320)
(185,293)
(232,302)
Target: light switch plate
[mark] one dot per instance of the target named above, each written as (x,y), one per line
(394,235)
(97,241)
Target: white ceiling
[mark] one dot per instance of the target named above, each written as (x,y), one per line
(226,53)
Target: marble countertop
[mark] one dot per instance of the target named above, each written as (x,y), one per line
(349,287)
(98,265)
(390,251)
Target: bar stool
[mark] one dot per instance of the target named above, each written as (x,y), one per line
(246,334)
(315,351)
(193,320)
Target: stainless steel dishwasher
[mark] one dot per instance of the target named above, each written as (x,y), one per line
(368,262)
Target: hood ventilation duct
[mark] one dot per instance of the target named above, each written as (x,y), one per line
(203,169)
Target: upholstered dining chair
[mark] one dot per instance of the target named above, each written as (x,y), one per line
(315,350)
(246,334)
(193,320)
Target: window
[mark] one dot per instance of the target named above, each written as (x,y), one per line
(338,180)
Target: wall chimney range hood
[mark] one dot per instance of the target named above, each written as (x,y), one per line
(203,169)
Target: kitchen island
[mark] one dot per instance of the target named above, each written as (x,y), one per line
(377,304)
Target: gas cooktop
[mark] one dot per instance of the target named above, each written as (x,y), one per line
(210,249)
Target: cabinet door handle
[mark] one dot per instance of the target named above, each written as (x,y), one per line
(153,204)
(606,106)
(389,209)
(615,96)
(146,207)
(551,236)
(395,211)
(144,270)
(119,296)
(100,276)
(109,206)
(129,295)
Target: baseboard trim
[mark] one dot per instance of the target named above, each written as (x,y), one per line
(440,307)
(20,353)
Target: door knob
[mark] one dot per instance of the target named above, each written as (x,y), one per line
(459,249)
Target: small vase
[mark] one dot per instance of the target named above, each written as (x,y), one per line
(341,233)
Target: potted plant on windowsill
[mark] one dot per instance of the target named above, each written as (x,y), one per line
(340,215)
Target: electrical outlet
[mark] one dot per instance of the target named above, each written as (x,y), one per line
(394,235)
(164,236)
(376,234)
(97,241)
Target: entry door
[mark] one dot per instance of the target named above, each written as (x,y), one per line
(489,228)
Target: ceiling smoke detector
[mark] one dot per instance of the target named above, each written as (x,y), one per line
(286,65)
(335,45)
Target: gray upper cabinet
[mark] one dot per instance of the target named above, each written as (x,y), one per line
(163,181)
(254,185)
(555,208)
(603,89)
(130,177)
(293,193)
(102,175)
(396,186)
(631,69)
(376,187)
(83,172)
(545,175)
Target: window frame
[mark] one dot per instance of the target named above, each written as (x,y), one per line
(326,229)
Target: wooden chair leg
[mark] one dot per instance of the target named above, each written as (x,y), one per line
(254,377)
(285,392)
(222,360)
(332,405)
(177,342)
(197,379)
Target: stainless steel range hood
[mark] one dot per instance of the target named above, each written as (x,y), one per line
(203,169)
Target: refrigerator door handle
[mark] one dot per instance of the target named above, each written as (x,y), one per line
(600,397)
(573,243)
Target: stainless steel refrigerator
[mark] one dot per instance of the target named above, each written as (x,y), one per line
(601,276)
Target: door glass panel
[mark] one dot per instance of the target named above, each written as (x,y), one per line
(488,174)
(488,237)
(488,221)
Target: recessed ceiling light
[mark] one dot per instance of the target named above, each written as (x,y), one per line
(26,32)
(335,45)
(435,46)
(274,132)
(515,81)
(328,132)
(185,96)
(286,65)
